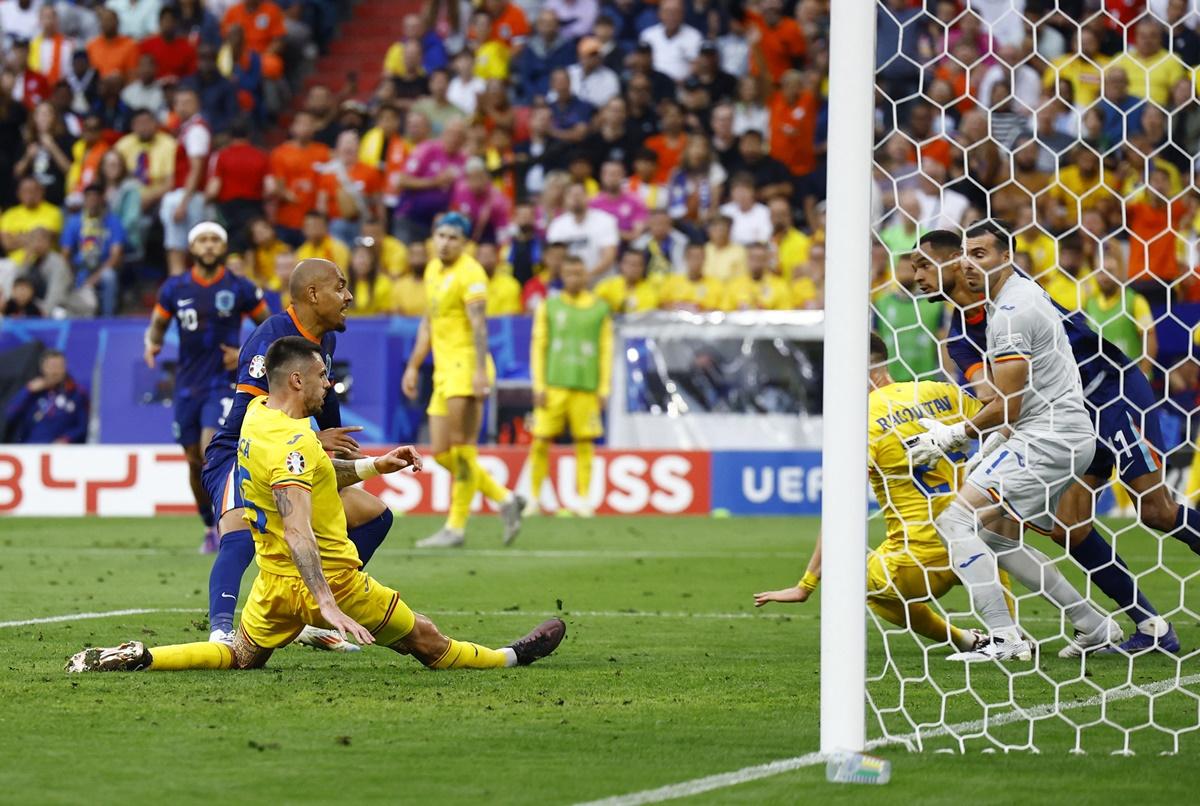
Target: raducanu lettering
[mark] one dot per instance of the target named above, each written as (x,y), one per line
(930,408)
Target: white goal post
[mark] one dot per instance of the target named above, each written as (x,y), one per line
(847,306)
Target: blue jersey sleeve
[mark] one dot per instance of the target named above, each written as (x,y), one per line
(116,232)
(252,362)
(964,351)
(166,299)
(250,297)
(331,413)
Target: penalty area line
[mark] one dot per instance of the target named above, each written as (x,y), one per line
(757,772)
(137,611)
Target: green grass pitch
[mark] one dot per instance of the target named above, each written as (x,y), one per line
(667,674)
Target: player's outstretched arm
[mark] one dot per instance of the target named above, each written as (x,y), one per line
(352,471)
(295,508)
(802,589)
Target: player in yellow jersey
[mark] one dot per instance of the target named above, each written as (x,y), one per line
(456,329)
(570,359)
(911,566)
(309,571)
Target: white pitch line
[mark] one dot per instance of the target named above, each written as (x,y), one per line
(453,613)
(105,614)
(520,554)
(724,780)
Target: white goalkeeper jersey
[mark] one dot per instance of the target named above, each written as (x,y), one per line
(1024,325)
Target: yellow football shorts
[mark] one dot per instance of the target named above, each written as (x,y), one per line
(454,378)
(581,410)
(280,606)
(897,578)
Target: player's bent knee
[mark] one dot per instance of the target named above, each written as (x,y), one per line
(424,642)
(1158,510)
(247,655)
(360,506)
(231,521)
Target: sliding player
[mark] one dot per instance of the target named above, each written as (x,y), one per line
(456,328)
(911,566)
(208,303)
(1039,402)
(570,361)
(309,571)
(320,298)
(1118,397)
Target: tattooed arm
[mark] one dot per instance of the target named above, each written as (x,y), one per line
(394,460)
(478,318)
(295,508)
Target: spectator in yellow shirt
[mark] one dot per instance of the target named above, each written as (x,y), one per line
(790,244)
(392,253)
(265,250)
(1082,186)
(1152,70)
(408,291)
(723,259)
(762,289)
(629,291)
(31,213)
(492,56)
(372,288)
(504,292)
(808,287)
(693,291)
(1080,67)
(149,155)
(319,243)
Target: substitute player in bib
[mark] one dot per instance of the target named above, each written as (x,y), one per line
(911,566)
(208,304)
(570,361)
(309,570)
(1039,401)
(1118,397)
(456,329)
(320,298)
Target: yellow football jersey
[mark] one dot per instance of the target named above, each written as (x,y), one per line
(276,451)
(448,292)
(911,497)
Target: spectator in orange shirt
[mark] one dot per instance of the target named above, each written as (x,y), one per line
(110,53)
(780,39)
(1154,223)
(348,190)
(669,143)
(265,28)
(50,53)
(509,24)
(293,177)
(794,109)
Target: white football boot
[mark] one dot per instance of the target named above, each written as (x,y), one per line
(1107,634)
(443,539)
(326,640)
(996,648)
(128,657)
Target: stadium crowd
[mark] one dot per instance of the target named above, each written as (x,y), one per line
(678,148)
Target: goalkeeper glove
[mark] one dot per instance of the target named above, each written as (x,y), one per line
(993,441)
(938,440)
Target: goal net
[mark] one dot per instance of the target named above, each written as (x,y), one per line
(1076,128)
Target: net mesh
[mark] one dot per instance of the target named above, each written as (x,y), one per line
(1076,127)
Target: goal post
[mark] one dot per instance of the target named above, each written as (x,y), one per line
(844,441)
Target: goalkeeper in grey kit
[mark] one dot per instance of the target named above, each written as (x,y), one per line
(1017,480)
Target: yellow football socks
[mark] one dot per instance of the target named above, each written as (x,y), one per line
(200,655)
(539,465)
(465,655)
(462,489)
(585,449)
(484,483)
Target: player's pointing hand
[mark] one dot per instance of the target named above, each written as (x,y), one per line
(339,442)
(794,594)
(398,459)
